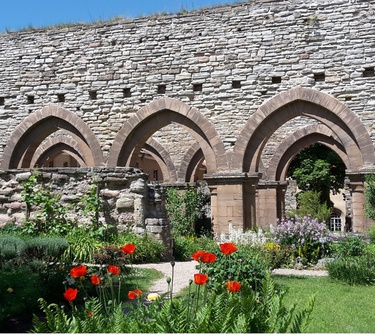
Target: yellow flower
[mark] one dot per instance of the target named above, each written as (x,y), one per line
(10,290)
(152,296)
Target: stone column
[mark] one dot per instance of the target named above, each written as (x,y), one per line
(267,203)
(232,200)
(356,186)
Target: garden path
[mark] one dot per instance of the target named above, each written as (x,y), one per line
(184,271)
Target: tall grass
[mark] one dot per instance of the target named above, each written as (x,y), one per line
(339,307)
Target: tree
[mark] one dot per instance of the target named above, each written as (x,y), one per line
(370,196)
(319,169)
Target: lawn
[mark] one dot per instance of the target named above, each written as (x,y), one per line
(339,307)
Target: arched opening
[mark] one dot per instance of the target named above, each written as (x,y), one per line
(296,119)
(51,129)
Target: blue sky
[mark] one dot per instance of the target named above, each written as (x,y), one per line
(18,14)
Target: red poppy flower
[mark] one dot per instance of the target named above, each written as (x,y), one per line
(128,249)
(200,279)
(134,294)
(114,270)
(89,314)
(233,286)
(70,294)
(205,257)
(228,248)
(95,280)
(208,257)
(78,271)
(197,256)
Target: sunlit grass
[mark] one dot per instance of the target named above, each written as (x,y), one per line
(339,308)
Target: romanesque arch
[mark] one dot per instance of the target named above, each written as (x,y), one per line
(159,113)
(34,129)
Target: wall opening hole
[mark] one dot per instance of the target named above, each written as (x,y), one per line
(276,80)
(126,92)
(113,42)
(236,84)
(93,94)
(369,72)
(30,99)
(197,87)
(2,100)
(161,89)
(61,97)
(319,77)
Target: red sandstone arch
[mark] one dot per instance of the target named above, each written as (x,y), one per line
(190,163)
(302,138)
(49,149)
(311,103)
(163,159)
(155,116)
(33,130)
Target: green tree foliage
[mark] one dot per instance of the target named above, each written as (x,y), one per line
(319,169)
(370,196)
(184,209)
(309,205)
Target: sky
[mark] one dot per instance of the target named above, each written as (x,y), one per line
(19,14)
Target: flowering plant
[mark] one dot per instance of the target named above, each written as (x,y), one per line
(237,308)
(306,236)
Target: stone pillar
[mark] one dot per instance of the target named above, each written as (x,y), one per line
(356,186)
(267,203)
(280,198)
(232,200)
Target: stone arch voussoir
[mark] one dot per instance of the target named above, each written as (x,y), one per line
(300,101)
(158,114)
(35,128)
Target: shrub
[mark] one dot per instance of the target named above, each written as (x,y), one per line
(45,248)
(351,246)
(149,249)
(11,248)
(246,264)
(307,237)
(183,247)
(353,270)
(279,256)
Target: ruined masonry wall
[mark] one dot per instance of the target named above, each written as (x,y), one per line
(242,54)
(128,202)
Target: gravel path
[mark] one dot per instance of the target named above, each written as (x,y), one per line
(184,271)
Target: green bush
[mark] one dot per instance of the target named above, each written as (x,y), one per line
(248,265)
(351,246)
(359,270)
(82,246)
(149,249)
(184,247)
(45,248)
(11,247)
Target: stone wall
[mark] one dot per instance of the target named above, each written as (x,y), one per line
(128,202)
(226,61)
